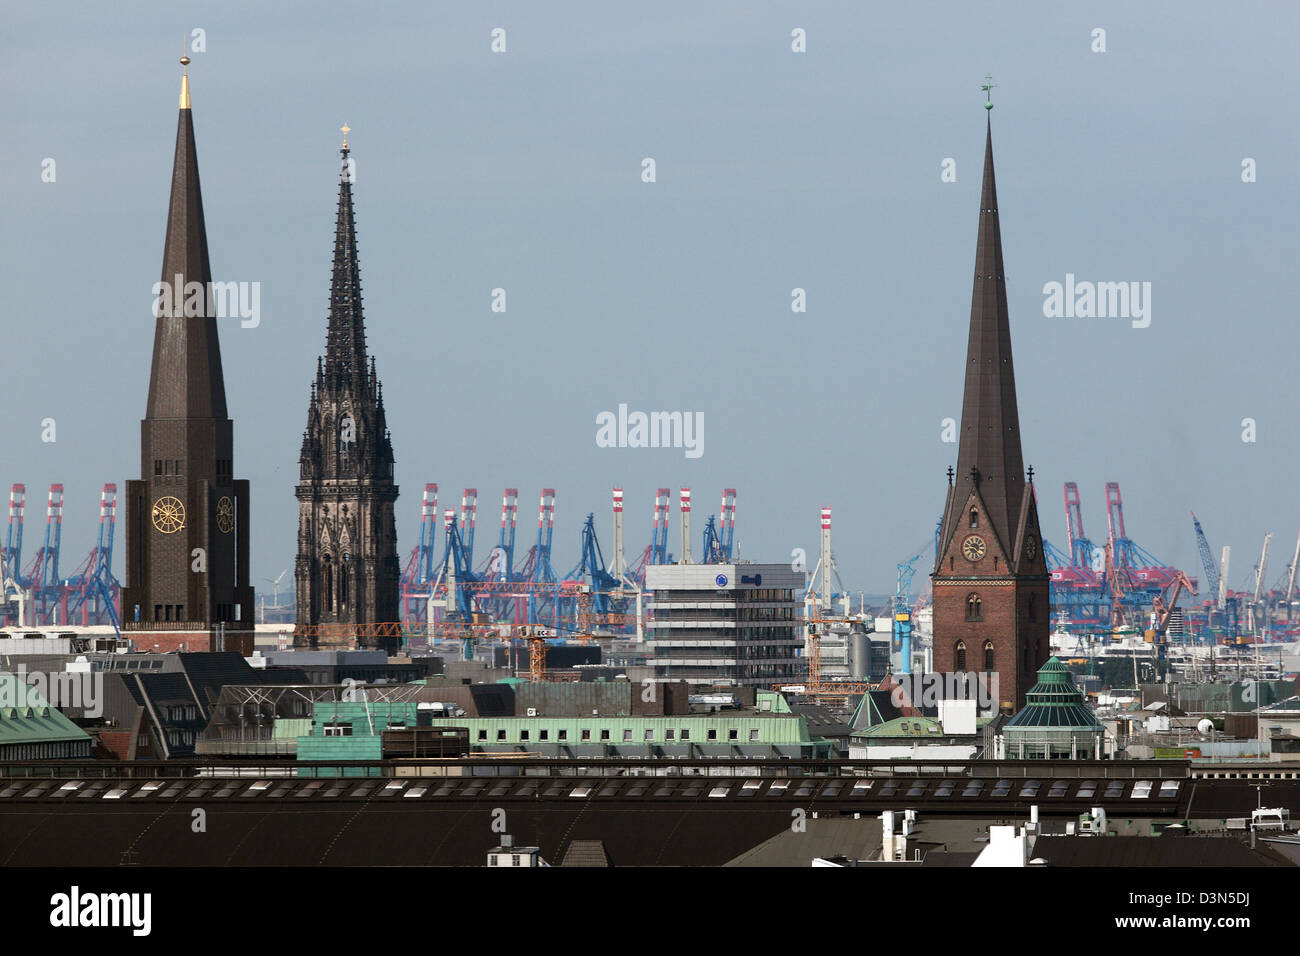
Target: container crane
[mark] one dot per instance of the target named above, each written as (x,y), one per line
(1256,616)
(1207,561)
(1290,579)
(11,583)
(92,591)
(42,574)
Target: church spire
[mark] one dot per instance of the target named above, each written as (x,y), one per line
(346,573)
(186,380)
(345,347)
(989,457)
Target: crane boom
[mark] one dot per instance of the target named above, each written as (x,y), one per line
(1207,559)
(1263,563)
(1290,578)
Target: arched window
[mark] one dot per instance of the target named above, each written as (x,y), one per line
(1033,607)
(974,611)
(343,583)
(988,656)
(959,656)
(327,584)
(974,518)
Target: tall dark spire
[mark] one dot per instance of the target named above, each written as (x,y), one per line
(187,503)
(186,380)
(991,585)
(346,573)
(989,448)
(345,347)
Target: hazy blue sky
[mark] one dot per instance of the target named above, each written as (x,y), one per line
(775,170)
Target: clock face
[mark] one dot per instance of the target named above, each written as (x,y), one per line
(1031,547)
(973,548)
(168,515)
(225,515)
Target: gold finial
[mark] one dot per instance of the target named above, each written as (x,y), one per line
(185,82)
(345,129)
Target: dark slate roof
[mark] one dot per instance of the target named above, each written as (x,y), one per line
(821,721)
(493,700)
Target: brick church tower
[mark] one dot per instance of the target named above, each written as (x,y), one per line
(991,609)
(346,573)
(187,517)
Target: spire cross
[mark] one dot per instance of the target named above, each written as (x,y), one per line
(345,129)
(986,87)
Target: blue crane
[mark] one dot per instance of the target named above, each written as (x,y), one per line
(593,566)
(1207,559)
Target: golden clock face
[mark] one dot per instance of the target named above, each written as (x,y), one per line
(168,515)
(1031,547)
(225,515)
(973,548)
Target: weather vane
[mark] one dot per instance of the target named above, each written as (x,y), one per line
(345,129)
(988,96)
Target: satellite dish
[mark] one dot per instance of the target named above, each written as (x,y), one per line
(1205,725)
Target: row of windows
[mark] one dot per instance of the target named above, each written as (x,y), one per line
(39,751)
(959,656)
(975,607)
(167,466)
(169,612)
(764,594)
(670,734)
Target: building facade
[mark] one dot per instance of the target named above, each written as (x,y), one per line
(346,573)
(991,612)
(730,624)
(187,517)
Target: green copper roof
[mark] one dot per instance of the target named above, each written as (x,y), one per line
(1054,702)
